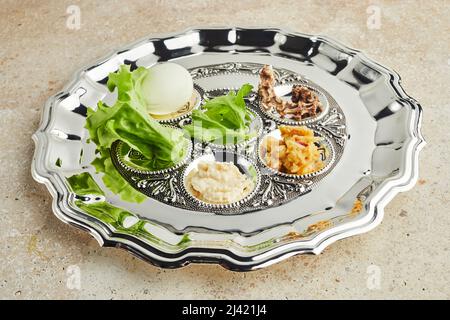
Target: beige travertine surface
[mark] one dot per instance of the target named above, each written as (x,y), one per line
(39,54)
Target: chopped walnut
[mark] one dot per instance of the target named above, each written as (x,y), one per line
(304,102)
(266,90)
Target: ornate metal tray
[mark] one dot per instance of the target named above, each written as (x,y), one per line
(370,126)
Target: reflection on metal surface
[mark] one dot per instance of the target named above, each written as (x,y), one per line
(333,126)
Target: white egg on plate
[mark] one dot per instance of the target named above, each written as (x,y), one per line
(167,88)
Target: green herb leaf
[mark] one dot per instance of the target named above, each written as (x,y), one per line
(226,118)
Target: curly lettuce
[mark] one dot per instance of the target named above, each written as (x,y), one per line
(127,120)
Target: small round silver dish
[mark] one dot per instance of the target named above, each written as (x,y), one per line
(245,165)
(185,111)
(325,147)
(284,91)
(133,161)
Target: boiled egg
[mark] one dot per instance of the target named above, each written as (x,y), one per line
(167,88)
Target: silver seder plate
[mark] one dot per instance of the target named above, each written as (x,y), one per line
(369,125)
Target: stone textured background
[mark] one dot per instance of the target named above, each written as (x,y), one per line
(39,54)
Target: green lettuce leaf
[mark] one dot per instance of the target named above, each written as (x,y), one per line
(127,120)
(224,118)
(206,129)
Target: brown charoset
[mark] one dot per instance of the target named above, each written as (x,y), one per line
(304,102)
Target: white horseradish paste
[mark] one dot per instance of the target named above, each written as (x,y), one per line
(218,183)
